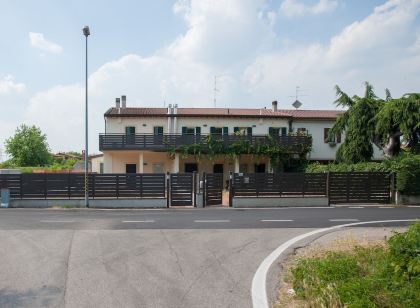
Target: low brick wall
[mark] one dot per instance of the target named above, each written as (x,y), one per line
(96,203)
(401,199)
(249,202)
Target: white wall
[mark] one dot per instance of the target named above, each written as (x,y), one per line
(320,149)
(145,125)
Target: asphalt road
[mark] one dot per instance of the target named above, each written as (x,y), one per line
(150,258)
(208,218)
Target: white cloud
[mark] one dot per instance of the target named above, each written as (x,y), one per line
(235,38)
(38,40)
(8,85)
(292,8)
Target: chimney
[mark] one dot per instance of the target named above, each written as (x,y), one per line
(117,102)
(124,101)
(274,104)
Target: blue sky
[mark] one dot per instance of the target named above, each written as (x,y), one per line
(156,51)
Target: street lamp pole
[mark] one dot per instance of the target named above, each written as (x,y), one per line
(86,33)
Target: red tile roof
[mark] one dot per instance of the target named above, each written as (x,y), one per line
(224,112)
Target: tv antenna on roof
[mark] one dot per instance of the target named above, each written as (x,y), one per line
(297,104)
(215,89)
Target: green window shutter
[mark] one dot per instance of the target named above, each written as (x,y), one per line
(184,130)
(212,130)
(236,129)
(225,130)
(249,131)
(198,130)
(160,130)
(270,131)
(283,131)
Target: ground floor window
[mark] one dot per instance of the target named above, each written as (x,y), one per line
(191,167)
(130,168)
(158,168)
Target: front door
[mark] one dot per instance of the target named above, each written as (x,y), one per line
(130,168)
(218,168)
(259,168)
(191,167)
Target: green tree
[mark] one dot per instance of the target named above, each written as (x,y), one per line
(358,122)
(28,147)
(399,118)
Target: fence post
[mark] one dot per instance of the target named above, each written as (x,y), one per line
(231,188)
(348,187)
(21,187)
(304,185)
(327,187)
(168,189)
(141,185)
(69,184)
(204,189)
(118,186)
(194,176)
(45,186)
(392,190)
(93,184)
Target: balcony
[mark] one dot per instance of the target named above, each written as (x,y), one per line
(163,143)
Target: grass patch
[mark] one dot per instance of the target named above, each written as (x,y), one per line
(365,276)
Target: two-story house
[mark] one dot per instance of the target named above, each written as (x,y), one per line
(143,139)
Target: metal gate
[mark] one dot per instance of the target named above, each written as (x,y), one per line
(359,187)
(182,189)
(213,188)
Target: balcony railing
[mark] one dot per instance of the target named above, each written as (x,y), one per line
(162,143)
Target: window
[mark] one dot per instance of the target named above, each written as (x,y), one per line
(101,168)
(245,131)
(191,130)
(216,130)
(277,131)
(130,168)
(158,130)
(191,167)
(158,168)
(130,130)
(333,139)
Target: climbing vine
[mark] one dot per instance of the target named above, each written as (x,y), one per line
(214,147)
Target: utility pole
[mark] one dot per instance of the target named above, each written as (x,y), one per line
(86,33)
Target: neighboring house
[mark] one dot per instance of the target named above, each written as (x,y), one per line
(138,139)
(97,163)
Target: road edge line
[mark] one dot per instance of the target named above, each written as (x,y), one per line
(259,281)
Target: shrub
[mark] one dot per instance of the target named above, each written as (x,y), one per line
(333,167)
(407,169)
(364,277)
(404,250)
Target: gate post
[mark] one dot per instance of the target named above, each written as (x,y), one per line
(168,189)
(194,189)
(231,190)
(204,189)
(327,188)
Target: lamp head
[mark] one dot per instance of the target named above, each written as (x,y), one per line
(86,31)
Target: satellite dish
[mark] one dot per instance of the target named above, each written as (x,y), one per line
(297,104)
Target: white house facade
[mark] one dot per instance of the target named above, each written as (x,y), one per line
(138,140)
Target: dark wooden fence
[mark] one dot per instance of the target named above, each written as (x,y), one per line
(279,184)
(72,186)
(359,187)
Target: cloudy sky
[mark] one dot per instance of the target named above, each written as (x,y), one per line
(169,51)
